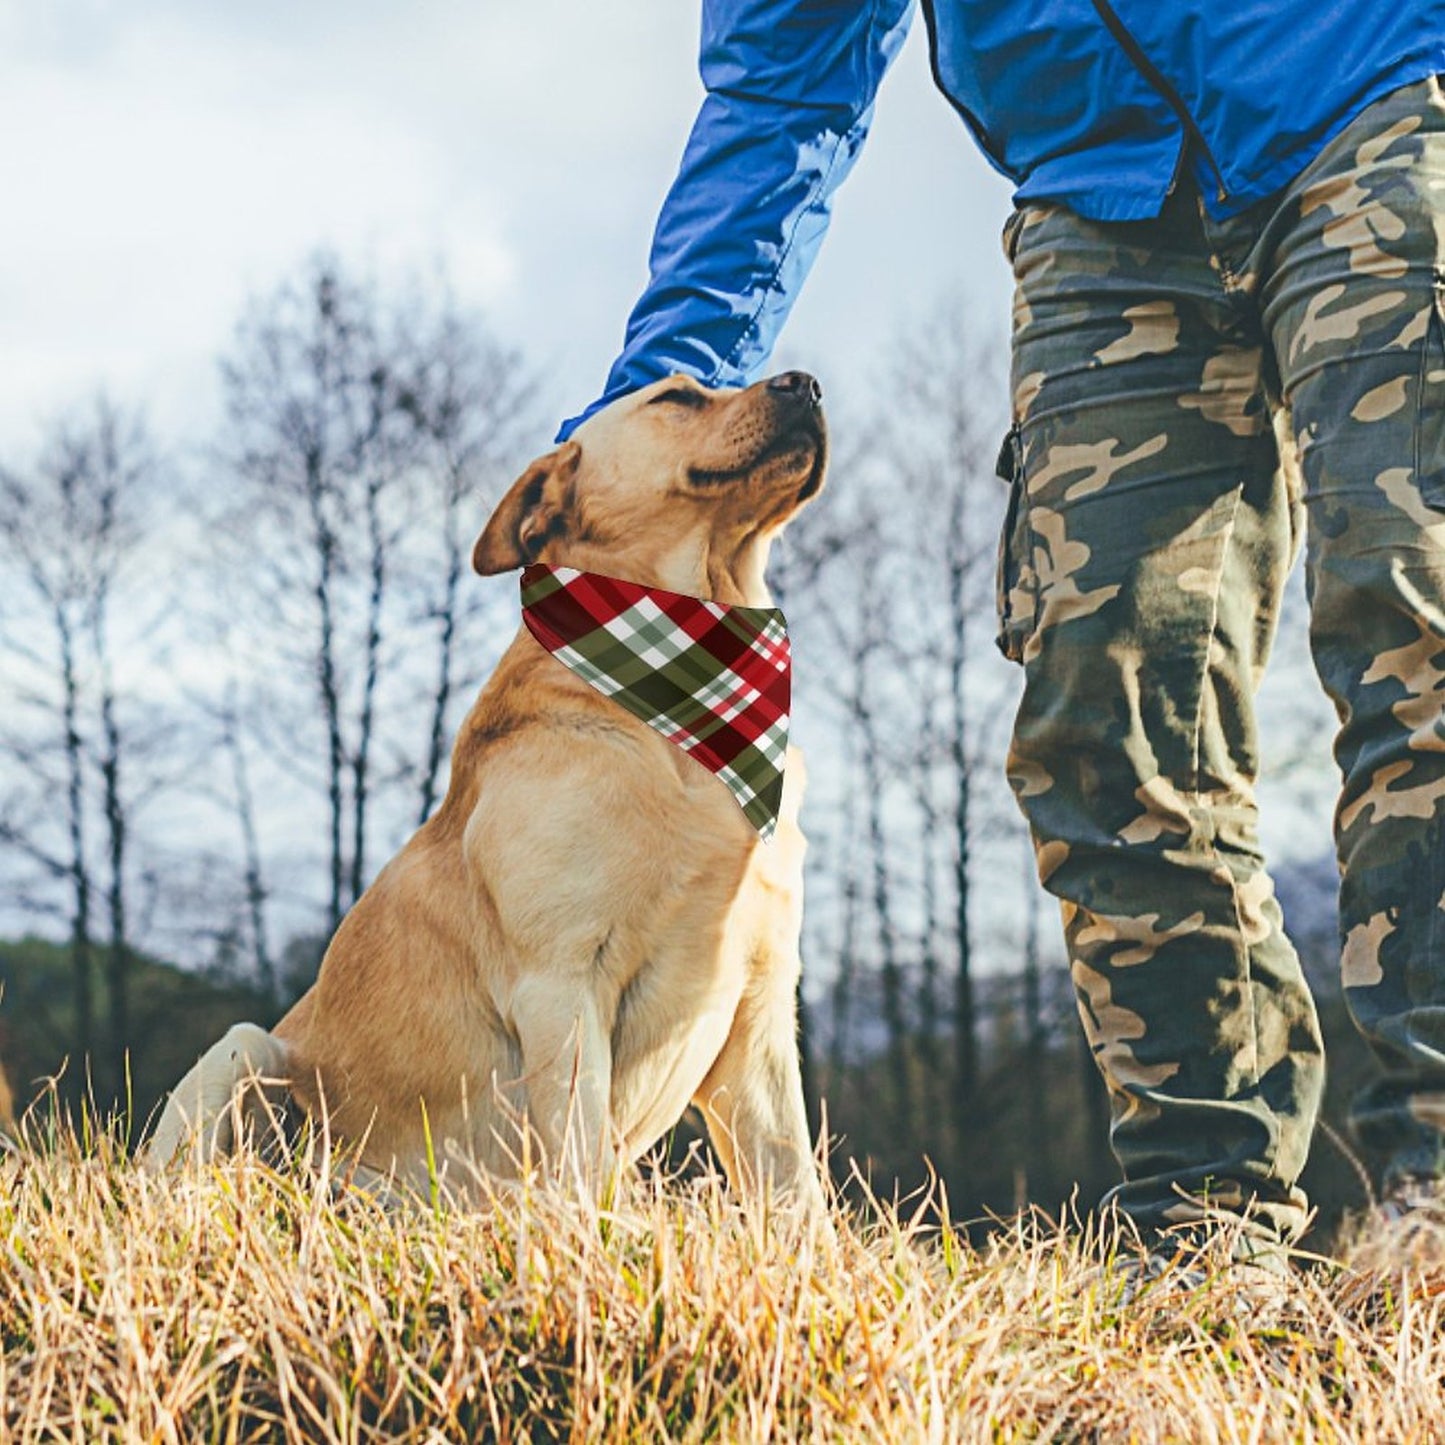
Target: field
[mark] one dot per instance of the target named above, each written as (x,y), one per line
(245,1303)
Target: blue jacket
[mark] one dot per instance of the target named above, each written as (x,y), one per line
(1098,104)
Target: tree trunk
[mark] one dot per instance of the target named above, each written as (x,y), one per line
(895,1013)
(965,1028)
(84,1002)
(361,762)
(928,964)
(441,700)
(844,978)
(256,894)
(322,590)
(118,953)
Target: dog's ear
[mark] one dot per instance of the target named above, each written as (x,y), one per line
(533,512)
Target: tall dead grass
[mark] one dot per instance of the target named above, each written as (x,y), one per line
(249,1303)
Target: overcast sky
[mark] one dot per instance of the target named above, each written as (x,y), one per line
(164,159)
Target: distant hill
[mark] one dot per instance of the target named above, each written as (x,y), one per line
(174,1016)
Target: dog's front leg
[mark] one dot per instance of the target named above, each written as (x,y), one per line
(752,1099)
(567,1057)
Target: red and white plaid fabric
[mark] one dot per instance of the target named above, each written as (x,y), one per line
(713,679)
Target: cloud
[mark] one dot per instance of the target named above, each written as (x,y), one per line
(167,158)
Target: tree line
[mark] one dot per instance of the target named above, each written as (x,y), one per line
(233,671)
(216,660)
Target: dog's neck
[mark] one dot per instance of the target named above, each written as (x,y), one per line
(739,580)
(736,578)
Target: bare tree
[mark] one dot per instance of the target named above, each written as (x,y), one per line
(256,891)
(941,439)
(873,779)
(961,560)
(118,459)
(855,633)
(319,445)
(70,527)
(473,402)
(367,438)
(845,964)
(901,602)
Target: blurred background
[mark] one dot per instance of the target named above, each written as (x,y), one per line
(289,296)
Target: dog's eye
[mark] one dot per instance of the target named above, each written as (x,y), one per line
(681,396)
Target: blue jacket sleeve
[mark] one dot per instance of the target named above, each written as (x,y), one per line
(790,89)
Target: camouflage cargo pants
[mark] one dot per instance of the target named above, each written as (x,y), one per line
(1150,534)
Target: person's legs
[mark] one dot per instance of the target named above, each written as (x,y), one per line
(1141,588)
(1354,301)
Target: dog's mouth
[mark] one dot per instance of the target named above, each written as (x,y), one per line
(806,442)
(814,483)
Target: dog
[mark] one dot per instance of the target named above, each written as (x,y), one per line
(588,935)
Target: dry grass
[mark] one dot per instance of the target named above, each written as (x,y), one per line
(245,1303)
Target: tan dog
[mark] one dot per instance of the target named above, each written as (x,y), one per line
(588,935)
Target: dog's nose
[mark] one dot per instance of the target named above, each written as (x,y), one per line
(797,384)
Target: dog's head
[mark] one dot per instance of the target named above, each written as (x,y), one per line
(674,486)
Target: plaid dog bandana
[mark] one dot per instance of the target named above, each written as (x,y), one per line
(713,679)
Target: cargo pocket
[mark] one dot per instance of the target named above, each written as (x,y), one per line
(1430,413)
(1017,602)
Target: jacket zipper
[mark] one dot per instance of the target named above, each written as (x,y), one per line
(1156,78)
